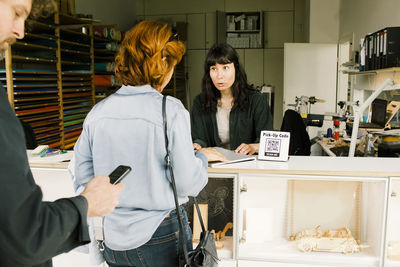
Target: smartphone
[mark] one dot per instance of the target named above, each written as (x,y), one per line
(119,173)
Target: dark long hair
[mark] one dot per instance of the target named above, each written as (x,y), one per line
(223,54)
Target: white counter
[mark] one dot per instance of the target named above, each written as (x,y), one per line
(355,166)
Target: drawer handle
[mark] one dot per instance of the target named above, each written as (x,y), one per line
(243,188)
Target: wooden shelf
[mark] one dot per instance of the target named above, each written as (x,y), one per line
(65,50)
(20,45)
(39,36)
(74,43)
(36,72)
(75,90)
(40,25)
(40,117)
(75,63)
(372,72)
(70,31)
(102,59)
(244,31)
(72,20)
(104,40)
(34,59)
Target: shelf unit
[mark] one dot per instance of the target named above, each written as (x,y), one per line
(107,40)
(241,29)
(376,82)
(49,77)
(177,87)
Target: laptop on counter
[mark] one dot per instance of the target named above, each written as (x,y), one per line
(231,156)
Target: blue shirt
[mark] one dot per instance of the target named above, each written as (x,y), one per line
(127,129)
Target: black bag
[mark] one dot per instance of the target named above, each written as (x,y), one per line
(205,254)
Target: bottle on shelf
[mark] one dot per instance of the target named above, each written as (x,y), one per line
(336,132)
(369,146)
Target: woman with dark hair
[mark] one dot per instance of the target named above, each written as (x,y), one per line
(126,128)
(228,112)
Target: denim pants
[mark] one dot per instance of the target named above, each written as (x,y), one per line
(163,249)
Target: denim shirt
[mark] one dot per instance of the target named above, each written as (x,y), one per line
(126,128)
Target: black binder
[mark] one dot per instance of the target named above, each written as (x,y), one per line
(382,49)
(391,47)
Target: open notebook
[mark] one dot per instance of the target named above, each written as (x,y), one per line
(231,156)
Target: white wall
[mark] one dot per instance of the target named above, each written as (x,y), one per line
(367,16)
(120,12)
(324,21)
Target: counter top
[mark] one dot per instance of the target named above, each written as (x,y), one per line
(54,161)
(301,165)
(318,165)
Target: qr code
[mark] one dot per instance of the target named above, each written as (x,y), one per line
(272,146)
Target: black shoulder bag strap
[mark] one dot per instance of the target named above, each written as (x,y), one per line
(169,166)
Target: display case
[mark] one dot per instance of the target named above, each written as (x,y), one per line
(273,209)
(354,201)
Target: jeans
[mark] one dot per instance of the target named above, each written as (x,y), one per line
(163,249)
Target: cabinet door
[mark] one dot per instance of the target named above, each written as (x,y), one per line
(273,75)
(211,29)
(392,229)
(196,31)
(278,28)
(254,66)
(310,70)
(167,18)
(195,68)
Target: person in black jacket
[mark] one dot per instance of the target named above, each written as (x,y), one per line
(228,112)
(33,231)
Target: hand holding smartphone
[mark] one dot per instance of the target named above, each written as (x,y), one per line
(119,173)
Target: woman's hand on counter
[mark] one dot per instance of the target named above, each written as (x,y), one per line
(248,149)
(212,154)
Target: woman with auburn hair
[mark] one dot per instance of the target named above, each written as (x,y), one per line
(126,128)
(228,112)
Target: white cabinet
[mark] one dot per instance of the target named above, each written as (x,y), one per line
(276,200)
(310,70)
(271,208)
(270,201)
